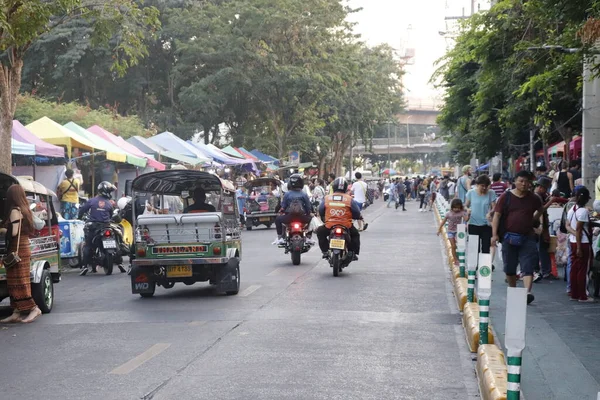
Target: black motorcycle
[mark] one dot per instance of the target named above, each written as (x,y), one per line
(107,247)
(296,240)
(339,256)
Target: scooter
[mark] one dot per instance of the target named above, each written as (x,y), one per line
(339,256)
(296,240)
(107,246)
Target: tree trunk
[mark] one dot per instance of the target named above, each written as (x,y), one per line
(10,82)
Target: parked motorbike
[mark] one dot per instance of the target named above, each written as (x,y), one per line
(296,241)
(108,247)
(339,256)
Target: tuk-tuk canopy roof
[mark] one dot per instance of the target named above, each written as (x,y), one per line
(180,180)
(263,182)
(27,182)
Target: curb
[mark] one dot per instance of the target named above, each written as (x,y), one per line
(491,370)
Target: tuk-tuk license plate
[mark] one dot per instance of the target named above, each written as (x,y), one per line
(109,244)
(264,219)
(179,271)
(339,244)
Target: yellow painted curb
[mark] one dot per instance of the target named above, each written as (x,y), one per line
(455,271)
(471,325)
(492,372)
(460,292)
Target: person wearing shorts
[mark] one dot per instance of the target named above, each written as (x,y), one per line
(518,209)
(456,215)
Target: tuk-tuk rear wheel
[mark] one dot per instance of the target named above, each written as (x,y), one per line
(43,292)
(149,294)
(237,279)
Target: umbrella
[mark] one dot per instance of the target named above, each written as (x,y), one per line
(390,172)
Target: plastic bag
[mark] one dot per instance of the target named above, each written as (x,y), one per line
(315,223)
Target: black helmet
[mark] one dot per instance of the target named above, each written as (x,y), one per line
(340,185)
(105,189)
(296,182)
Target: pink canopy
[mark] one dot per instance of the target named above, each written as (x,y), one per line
(128,147)
(22,134)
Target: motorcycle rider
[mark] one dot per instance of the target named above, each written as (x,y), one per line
(339,208)
(295,205)
(101,209)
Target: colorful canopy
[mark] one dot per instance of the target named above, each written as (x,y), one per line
(129,148)
(217,154)
(172,142)
(557,148)
(54,133)
(22,134)
(229,150)
(246,153)
(264,157)
(21,149)
(113,153)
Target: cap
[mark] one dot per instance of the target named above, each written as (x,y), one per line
(544,181)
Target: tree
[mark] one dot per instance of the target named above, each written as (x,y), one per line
(22,22)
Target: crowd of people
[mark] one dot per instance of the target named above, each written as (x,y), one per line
(515,214)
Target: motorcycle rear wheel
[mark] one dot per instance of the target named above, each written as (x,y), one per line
(335,262)
(108,264)
(296,257)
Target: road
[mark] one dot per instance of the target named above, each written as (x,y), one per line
(387,328)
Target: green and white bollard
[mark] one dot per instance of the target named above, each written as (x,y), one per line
(516,317)
(484,292)
(461,247)
(472,257)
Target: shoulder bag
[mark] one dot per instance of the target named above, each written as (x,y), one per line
(12,259)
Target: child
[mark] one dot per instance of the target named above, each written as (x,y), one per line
(456,215)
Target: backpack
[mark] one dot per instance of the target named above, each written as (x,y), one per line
(296,207)
(563,218)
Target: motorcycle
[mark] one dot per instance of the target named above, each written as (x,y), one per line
(296,241)
(339,256)
(108,246)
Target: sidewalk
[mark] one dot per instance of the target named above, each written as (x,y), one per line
(562,356)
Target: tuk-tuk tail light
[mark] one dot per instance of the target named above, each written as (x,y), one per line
(141,251)
(216,251)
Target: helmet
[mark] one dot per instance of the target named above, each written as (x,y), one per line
(122,203)
(340,185)
(105,189)
(296,182)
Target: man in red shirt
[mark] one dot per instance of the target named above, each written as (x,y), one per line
(498,186)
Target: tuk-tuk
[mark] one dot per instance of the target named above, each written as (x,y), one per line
(190,246)
(45,256)
(262,202)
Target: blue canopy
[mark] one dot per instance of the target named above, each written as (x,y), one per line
(482,167)
(216,155)
(264,157)
(173,143)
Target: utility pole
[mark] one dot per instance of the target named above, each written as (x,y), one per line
(531,153)
(351,154)
(590,150)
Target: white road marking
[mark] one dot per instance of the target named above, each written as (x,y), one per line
(197,323)
(249,291)
(276,271)
(141,359)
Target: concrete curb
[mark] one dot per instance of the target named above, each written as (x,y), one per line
(491,370)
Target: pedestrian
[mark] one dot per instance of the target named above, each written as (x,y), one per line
(580,239)
(401,192)
(518,209)
(444,191)
(480,203)
(542,186)
(393,194)
(18,226)
(457,215)
(423,190)
(575,171)
(432,192)
(452,188)
(464,184)
(359,191)
(498,186)
(68,194)
(564,180)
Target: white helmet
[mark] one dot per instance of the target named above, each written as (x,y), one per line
(123,201)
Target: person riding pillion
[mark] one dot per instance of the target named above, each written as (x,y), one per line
(339,209)
(101,209)
(295,206)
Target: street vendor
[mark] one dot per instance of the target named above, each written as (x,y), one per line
(68,194)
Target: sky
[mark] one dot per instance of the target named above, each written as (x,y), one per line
(388,21)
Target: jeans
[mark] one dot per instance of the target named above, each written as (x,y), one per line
(323,236)
(545,262)
(422,196)
(568,271)
(526,255)
(402,200)
(485,236)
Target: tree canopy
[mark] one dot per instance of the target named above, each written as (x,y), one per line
(502,79)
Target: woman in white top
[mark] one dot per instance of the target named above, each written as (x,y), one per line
(580,235)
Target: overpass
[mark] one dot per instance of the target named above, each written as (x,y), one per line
(399,146)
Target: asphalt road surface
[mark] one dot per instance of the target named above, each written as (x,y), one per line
(387,328)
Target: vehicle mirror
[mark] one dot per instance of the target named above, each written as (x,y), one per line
(128,187)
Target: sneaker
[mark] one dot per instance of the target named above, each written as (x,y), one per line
(530,298)
(310,241)
(122,269)
(588,300)
(537,277)
(83,272)
(278,241)
(325,255)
